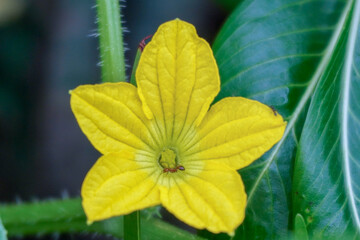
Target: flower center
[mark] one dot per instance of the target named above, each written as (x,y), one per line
(169,162)
(168,159)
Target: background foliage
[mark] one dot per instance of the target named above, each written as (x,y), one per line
(292,54)
(303,58)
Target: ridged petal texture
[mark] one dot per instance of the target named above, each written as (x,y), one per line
(214,198)
(237,131)
(118,185)
(111,117)
(167,119)
(177,78)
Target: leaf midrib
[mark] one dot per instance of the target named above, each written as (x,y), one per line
(308,93)
(345,108)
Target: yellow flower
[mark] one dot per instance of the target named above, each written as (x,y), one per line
(161,145)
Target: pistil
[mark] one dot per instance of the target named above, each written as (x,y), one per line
(169,162)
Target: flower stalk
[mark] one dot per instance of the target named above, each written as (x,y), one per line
(132,226)
(132,221)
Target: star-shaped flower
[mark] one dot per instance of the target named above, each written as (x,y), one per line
(162,145)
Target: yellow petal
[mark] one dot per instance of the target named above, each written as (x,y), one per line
(214,198)
(111,117)
(177,78)
(237,131)
(118,185)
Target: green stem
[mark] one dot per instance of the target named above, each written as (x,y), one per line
(132,226)
(61,216)
(132,221)
(136,62)
(67,216)
(137,58)
(111,42)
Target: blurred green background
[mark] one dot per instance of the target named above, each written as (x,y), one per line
(46,49)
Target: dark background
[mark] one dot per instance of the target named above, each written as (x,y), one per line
(46,49)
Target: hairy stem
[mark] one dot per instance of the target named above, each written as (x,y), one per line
(67,216)
(111,42)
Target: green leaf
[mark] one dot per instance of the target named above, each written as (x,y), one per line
(300,228)
(327,169)
(228,5)
(275,52)
(3,232)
